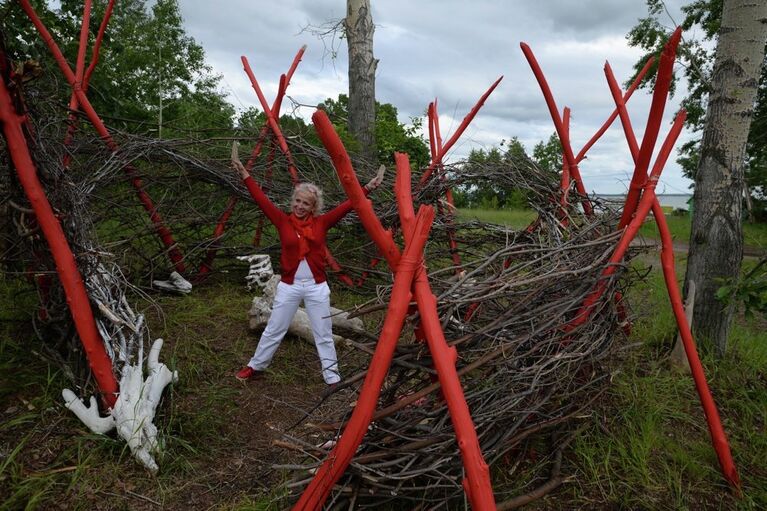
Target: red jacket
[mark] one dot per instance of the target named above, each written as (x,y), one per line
(289,240)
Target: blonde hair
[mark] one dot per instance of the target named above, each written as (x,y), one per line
(312,189)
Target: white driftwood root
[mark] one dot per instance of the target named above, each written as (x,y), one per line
(261,309)
(261,275)
(175,283)
(134,411)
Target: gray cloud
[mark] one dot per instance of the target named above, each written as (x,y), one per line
(452,50)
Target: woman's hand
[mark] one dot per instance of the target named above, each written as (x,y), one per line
(236,163)
(376,181)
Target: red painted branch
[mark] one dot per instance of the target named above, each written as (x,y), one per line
(564,184)
(66,266)
(569,157)
(633,228)
(97,44)
(276,105)
(430,117)
(342,453)
(458,132)
(271,119)
(477,485)
(165,235)
(404,195)
(284,81)
(640,76)
(435,141)
(73,102)
(718,436)
(207,265)
(621,109)
(660,93)
(437,135)
(337,270)
(79,72)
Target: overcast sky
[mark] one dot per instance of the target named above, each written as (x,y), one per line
(452,50)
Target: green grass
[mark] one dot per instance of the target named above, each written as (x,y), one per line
(649,447)
(754,234)
(646,447)
(49,459)
(514,218)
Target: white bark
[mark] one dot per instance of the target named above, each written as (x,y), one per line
(716,239)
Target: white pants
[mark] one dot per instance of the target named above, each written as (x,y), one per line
(288,297)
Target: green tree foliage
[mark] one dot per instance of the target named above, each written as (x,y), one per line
(487,194)
(391,135)
(696,55)
(549,154)
(151,77)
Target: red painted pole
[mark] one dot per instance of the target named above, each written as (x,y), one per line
(207,265)
(633,228)
(430,116)
(660,93)
(435,142)
(79,73)
(66,266)
(564,183)
(718,435)
(437,135)
(601,131)
(623,113)
(715,428)
(73,102)
(342,453)
(165,235)
(614,114)
(97,44)
(458,132)
(284,82)
(271,119)
(569,157)
(339,272)
(477,485)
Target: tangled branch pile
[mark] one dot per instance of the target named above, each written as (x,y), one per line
(527,379)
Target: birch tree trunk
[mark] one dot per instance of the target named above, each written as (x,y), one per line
(716,240)
(362,67)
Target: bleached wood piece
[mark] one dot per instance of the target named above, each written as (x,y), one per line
(134,411)
(262,276)
(678,357)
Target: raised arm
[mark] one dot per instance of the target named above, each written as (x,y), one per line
(333,216)
(271,211)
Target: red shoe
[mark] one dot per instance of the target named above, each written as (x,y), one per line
(248,373)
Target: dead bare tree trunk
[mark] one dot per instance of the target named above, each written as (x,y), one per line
(716,240)
(362,68)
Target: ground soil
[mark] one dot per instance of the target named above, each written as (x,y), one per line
(219,431)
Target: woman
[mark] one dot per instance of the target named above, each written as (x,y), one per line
(302,265)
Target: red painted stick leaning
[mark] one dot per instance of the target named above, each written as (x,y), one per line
(165,235)
(66,266)
(477,483)
(718,435)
